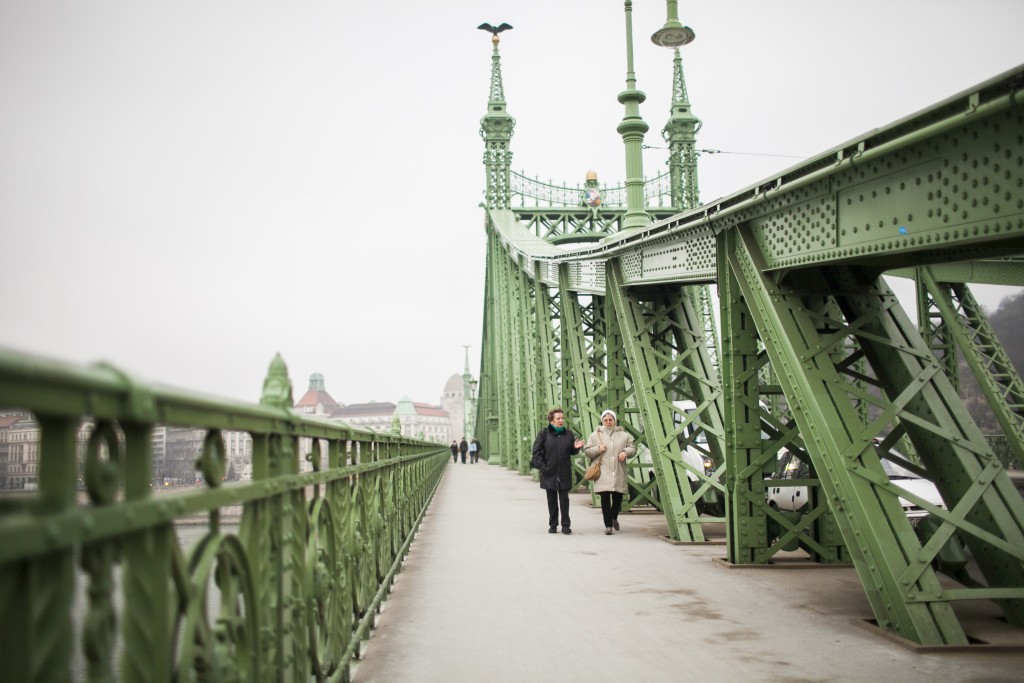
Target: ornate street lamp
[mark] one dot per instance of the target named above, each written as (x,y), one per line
(673,33)
(473,401)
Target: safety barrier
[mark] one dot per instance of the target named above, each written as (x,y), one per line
(95,585)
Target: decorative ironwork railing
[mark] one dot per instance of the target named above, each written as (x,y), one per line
(533,192)
(95,585)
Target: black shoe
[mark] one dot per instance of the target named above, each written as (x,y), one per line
(615,524)
(552,529)
(566,530)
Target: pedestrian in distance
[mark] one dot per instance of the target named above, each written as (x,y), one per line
(476,450)
(463,449)
(612,445)
(472,451)
(455,452)
(552,455)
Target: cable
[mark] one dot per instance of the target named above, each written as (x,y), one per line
(722,151)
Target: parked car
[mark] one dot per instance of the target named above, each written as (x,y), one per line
(793,498)
(697,455)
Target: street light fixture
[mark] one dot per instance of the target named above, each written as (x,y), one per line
(673,33)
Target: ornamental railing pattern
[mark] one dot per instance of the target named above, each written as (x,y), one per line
(95,585)
(533,192)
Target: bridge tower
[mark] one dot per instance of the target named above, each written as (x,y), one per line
(496,128)
(681,135)
(643,353)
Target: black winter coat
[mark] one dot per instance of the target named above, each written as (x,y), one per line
(552,455)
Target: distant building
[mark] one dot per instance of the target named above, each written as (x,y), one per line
(423,421)
(316,401)
(453,401)
(373,415)
(13,468)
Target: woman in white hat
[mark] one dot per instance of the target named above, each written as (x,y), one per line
(612,444)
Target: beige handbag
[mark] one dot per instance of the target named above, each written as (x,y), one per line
(593,472)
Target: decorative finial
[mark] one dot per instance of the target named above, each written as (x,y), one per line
(277,387)
(494,31)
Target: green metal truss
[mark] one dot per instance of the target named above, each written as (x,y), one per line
(667,361)
(966,328)
(816,355)
(758,431)
(915,398)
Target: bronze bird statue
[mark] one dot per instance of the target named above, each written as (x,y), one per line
(487,27)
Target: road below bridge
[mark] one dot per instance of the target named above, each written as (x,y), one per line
(487,594)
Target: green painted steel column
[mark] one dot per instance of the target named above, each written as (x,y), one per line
(576,362)
(746,463)
(547,366)
(530,343)
(632,129)
(873,523)
(666,428)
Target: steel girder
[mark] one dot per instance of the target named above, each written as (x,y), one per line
(583,362)
(756,433)
(547,316)
(519,368)
(565,225)
(914,398)
(504,384)
(935,330)
(526,369)
(667,362)
(487,407)
(965,324)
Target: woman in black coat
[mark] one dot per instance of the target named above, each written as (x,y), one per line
(552,455)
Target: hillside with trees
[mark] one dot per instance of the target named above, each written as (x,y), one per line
(1008,323)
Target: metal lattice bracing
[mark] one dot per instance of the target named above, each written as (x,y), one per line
(817,358)
(965,324)
(916,398)
(667,363)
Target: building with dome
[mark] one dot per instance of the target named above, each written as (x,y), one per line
(316,401)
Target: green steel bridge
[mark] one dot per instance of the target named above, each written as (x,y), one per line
(595,298)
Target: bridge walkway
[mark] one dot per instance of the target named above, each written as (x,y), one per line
(486,594)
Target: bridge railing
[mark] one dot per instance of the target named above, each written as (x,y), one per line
(96,585)
(534,192)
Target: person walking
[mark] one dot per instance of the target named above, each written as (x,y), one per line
(455,452)
(472,451)
(463,449)
(476,450)
(552,455)
(613,445)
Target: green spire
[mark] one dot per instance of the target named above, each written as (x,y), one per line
(496,129)
(632,130)
(681,135)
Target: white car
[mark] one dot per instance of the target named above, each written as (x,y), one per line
(792,498)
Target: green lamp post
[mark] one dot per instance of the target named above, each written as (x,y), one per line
(632,129)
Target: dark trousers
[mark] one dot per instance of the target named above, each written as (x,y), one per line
(611,503)
(558,499)
(463,457)
(455,457)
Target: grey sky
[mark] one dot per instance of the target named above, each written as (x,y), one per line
(187,188)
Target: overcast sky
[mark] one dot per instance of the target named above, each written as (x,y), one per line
(189,187)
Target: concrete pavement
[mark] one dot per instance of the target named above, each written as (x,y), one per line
(488,595)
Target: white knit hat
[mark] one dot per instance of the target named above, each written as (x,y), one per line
(610,412)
